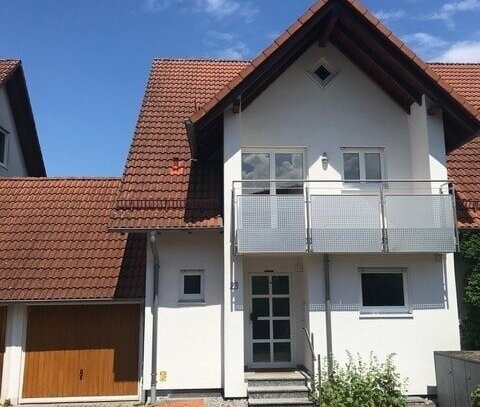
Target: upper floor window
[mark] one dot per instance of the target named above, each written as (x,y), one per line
(278,168)
(3,146)
(362,163)
(192,286)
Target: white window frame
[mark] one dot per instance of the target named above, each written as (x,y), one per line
(277,150)
(334,72)
(389,310)
(5,132)
(361,151)
(191,298)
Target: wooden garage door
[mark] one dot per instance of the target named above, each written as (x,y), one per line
(81,350)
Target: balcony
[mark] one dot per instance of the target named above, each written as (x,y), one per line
(398,216)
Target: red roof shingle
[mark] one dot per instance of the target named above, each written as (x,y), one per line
(7,66)
(55,243)
(464,162)
(161,188)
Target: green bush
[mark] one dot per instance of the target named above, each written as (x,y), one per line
(362,384)
(476,397)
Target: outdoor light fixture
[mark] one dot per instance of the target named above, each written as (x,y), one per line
(324,159)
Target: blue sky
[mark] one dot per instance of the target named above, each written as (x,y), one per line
(87,61)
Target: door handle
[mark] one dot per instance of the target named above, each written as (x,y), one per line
(81,374)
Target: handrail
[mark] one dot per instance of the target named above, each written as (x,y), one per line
(353,181)
(310,344)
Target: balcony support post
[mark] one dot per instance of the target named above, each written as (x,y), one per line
(383,220)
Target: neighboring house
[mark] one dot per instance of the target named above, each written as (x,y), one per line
(307,188)
(20,153)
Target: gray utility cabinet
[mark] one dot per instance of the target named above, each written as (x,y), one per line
(458,374)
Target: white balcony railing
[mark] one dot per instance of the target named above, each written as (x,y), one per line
(292,216)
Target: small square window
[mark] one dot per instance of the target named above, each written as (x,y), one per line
(192,286)
(323,72)
(383,290)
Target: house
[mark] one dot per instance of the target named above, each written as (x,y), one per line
(302,193)
(20,153)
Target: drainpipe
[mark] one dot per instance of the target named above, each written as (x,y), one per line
(328,314)
(156,271)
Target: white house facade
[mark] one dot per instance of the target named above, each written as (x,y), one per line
(273,215)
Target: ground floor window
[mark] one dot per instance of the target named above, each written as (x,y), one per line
(383,290)
(192,287)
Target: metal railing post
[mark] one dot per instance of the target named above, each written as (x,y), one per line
(383,222)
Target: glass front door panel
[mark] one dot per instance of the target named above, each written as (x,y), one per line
(271,340)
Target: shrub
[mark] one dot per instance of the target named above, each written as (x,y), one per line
(362,384)
(476,397)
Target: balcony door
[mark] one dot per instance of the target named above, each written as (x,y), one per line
(271,342)
(273,171)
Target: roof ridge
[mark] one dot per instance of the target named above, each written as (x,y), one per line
(455,63)
(166,59)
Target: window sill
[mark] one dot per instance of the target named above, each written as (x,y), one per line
(386,315)
(186,303)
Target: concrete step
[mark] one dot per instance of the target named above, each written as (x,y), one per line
(280,379)
(281,402)
(277,392)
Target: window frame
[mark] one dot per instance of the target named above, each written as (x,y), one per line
(272,151)
(385,310)
(361,151)
(6,133)
(191,298)
(323,83)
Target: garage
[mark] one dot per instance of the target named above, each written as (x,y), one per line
(82,351)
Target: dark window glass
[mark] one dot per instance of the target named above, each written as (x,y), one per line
(280,285)
(3,142)
(373,166)
(382,290)
(351,166)
(261,352)
(260,307)
(281,307)
(261,329)
(281,352)
(192,284)
(259,285)
(281,329)
(323,73)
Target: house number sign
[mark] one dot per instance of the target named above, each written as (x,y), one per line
(234,286)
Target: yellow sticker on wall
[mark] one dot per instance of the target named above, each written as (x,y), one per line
(162,376)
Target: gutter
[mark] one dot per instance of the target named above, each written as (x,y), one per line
(156,270)
(328,315)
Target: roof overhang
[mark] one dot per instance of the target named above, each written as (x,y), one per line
(363,39)
(21,107)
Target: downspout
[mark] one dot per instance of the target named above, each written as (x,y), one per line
(328,315)
(156,271)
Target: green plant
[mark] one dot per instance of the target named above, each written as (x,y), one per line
(7,403)
(470,251)
(475,397)
(362,384)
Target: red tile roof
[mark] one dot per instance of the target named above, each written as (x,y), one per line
(55,243)
(157,191)
(250,68)
(7,66)
(464,162)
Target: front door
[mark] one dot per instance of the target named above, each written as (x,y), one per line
(270,321)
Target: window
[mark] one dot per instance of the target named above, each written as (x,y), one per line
(384,290)
(192,286)
(273,165)
(323,72)
(3,146)
(365,163)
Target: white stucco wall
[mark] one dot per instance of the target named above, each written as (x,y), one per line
(15,165)
(351,112)
(189,336)
(433,324)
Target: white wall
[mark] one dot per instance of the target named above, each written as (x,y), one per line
(351,112)
(433,324)
(15,166)
(189,336)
